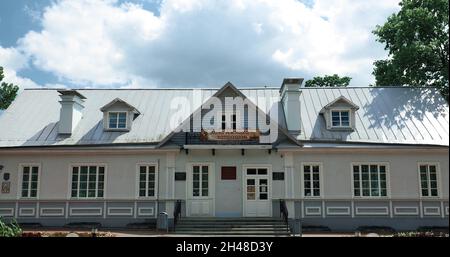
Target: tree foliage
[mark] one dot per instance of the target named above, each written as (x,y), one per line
(8,92)
(328,81)
(418,43)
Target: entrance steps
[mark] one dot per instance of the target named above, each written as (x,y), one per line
(232,226)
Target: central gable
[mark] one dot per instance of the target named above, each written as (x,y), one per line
(227,118)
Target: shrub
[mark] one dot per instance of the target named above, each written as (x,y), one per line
(10,230)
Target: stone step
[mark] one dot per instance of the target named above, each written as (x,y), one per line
(236,233)
(230,221)
(230,228)
(181,225)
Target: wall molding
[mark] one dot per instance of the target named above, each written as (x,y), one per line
(7,212)
(432,211)
(338,210)
(403,210)
(86,211)
(313,211)
(54,212)
(23,212)
(372,210)
(146,211)
(120,211)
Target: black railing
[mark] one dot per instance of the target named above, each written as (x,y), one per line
(176,212)
(284,213)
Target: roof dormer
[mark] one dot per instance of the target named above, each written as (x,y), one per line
(118,115)
(340,114)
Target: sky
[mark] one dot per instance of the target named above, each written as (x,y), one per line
(188,43)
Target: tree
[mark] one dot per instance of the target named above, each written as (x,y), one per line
(8,92)
(328,81)
(417,40)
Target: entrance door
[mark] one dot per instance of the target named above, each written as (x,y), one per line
(257,192)
(200,193)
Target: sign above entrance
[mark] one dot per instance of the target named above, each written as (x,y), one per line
(229,135)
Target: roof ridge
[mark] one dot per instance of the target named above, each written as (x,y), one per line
(214,88)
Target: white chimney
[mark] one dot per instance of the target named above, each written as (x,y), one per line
(71,110)
(290,98)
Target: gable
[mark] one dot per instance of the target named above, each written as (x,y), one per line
(194,129)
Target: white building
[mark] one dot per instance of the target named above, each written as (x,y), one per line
(337,157)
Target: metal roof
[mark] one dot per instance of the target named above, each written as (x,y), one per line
(397,115)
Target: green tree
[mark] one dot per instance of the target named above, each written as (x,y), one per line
(328,81)
(8,92)
(417,40)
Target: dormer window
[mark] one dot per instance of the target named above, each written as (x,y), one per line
(340,114)
(117,120)
(340,119)
(118,116)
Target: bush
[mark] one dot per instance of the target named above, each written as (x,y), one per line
(10,230)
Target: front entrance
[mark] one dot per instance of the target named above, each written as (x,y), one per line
(257,192)
(200,190)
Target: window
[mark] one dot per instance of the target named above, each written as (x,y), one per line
(117,120)
(200,180)
(311,180)
(233,122)
(223,122)
(253,171)
(428,179)
(340,118)
(147,180)
(369,180)
(228,173)
(88,181)
(30,180)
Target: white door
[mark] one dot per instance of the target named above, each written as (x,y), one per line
(257,193)
(200,192)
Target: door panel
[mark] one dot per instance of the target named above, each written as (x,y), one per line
(200,200)
(257,192)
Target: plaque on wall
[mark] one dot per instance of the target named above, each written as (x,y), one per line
(180,176)
(278,175)
(6,186)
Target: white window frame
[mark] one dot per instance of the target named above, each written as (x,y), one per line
(138,165)
(340,118)
(438,178)
(117,128)
(20,180)
(69,193)
(388,180)
(200,196)
(302,179)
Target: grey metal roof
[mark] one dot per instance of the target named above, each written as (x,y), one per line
(386,115)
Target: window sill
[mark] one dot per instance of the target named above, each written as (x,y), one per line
(117,130)
(341,129)
(371,198)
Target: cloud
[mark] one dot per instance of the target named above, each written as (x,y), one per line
(206,43)
(13,60)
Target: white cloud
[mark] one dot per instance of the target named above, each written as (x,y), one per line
(12,60)
(206,43)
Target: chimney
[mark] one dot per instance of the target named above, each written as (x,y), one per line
(290,98)
(71,110)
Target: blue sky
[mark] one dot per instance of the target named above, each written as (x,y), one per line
(187,43)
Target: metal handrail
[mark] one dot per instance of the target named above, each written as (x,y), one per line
(176,212)
(284,213)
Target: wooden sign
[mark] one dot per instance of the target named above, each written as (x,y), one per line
(229,135)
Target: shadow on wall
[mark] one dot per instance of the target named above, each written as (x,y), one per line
(393,106)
